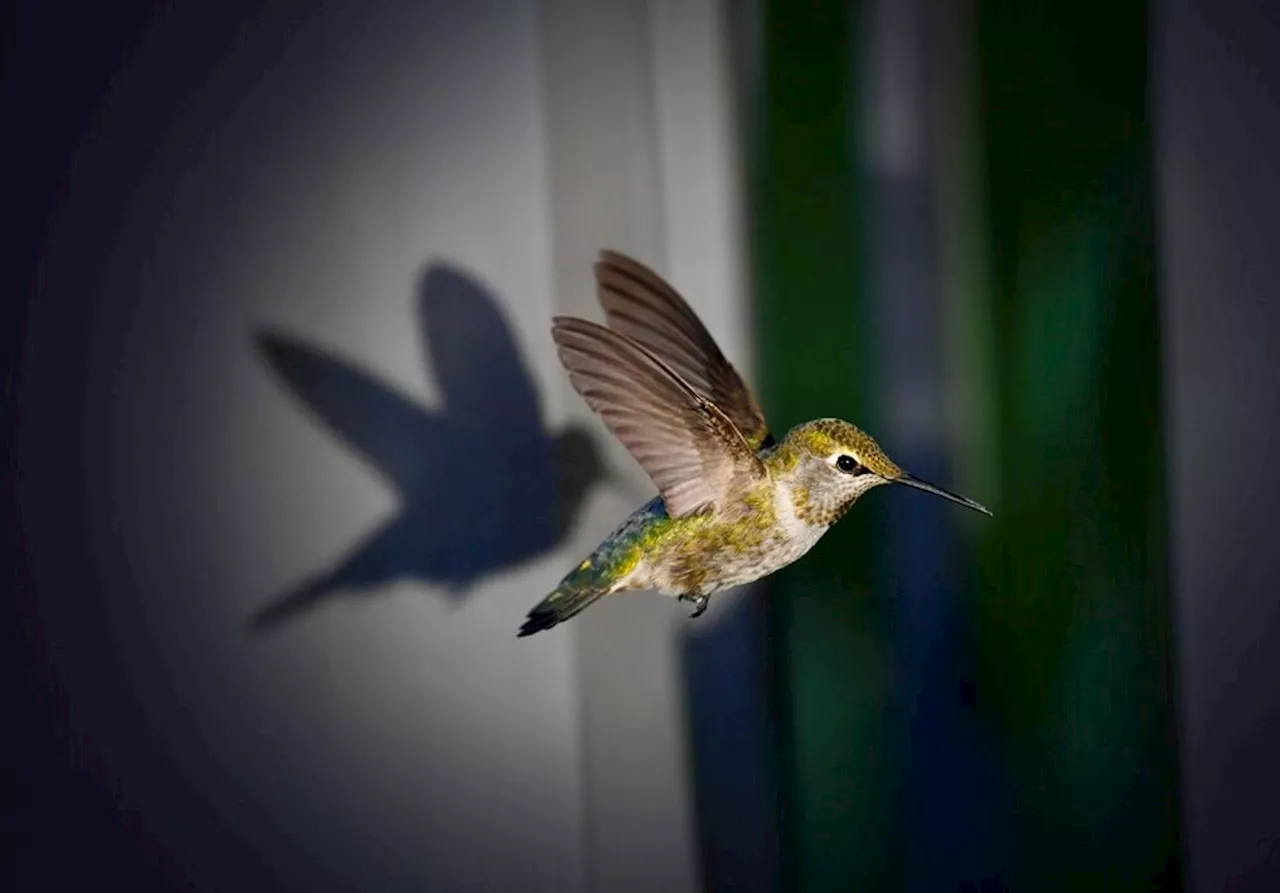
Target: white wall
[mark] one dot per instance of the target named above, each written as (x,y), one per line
(401,736)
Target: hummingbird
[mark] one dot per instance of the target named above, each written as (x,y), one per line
(734,504)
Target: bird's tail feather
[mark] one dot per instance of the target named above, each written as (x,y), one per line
(570,597)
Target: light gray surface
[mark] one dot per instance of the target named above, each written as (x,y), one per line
(1217,98)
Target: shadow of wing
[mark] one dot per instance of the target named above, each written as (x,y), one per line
(398,438)
(475,358)
(490,396)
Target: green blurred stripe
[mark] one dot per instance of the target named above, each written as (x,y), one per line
(813,335)
(1074,613)
(1057,346)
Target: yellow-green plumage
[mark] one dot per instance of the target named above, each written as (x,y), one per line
(762,529)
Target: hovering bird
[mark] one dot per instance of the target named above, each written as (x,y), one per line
(733,504)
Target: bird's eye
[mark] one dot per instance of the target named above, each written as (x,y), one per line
(847,464)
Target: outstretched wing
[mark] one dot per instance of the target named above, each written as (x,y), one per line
(692,451)
(640,305)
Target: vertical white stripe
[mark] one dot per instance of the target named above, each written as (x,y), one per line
(633,168)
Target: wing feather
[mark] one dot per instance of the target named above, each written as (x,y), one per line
(640,305)
(689,448)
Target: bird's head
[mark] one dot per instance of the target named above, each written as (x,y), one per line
(830,463)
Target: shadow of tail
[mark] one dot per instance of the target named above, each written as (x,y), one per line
(288,606)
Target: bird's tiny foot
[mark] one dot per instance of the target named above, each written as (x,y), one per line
(699,604)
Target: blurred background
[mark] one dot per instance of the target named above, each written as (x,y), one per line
(289,453)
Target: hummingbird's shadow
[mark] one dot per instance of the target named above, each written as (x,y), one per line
(482,484)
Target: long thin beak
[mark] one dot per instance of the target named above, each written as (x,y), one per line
(938,491)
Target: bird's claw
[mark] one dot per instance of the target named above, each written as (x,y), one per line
(699,604)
